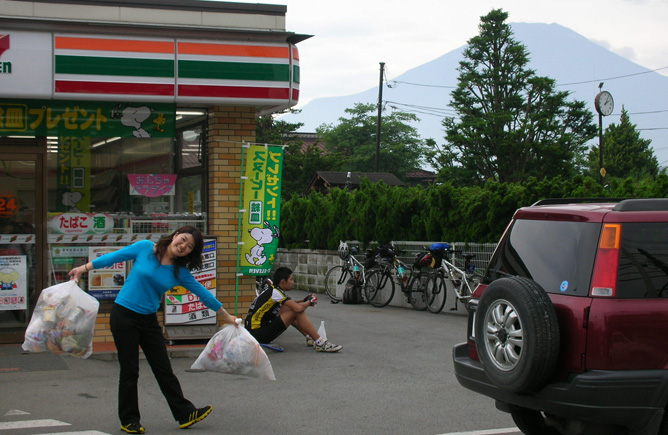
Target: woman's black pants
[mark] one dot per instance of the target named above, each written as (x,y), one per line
(132,330)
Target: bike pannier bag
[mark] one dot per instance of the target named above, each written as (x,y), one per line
(423,260)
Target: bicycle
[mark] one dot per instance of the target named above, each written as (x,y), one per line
(337,277)
(262,283)
(462,281)
(380,286)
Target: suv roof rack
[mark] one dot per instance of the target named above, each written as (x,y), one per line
(644,204)
(553,201)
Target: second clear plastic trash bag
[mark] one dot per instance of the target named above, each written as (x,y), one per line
(234,350)
(63,321)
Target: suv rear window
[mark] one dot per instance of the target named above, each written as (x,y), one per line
(643,261)
(557,255)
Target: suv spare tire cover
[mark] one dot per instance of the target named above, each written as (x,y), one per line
(517,334)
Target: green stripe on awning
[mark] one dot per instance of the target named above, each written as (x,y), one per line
(196,69)
(295,74)
(112,66)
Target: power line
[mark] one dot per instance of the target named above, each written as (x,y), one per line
(614,78)
(438,111)
(560,84)
(418,84)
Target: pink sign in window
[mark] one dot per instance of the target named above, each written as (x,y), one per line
(152,185)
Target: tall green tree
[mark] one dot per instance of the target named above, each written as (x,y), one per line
(353,141)
(511,124)
(625,153)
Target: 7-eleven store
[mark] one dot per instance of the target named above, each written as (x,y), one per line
(123,120)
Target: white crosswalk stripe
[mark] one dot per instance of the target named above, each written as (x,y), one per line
(83,432)
(42,424)
(506,430)
(31,424)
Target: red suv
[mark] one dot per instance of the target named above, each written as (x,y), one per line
(568,330)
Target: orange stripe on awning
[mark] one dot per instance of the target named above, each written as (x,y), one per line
(103,44)
(295,53)
(232,50)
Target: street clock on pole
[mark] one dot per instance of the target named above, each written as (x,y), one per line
(604,103)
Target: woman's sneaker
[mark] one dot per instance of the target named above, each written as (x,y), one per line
(132,428)
(195,416)
(327,347)
(309,341)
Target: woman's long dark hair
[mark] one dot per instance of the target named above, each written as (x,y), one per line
(192,261)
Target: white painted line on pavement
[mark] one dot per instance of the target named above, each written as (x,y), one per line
(16,412)
(486,432)
(83,432)
(29,424)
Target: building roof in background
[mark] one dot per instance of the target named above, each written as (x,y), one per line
(323,181)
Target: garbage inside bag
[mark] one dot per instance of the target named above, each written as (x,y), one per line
(234,350)
(63,321)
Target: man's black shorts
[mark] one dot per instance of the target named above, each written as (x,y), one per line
(267,333)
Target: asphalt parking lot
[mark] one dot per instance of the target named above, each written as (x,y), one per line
(393,376)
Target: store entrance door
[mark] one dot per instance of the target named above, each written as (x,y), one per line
(21,232)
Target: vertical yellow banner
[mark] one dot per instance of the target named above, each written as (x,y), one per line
(73,174)
(262,205)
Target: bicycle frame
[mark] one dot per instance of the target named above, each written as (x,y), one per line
(461,281)
(349,267)
(389,269)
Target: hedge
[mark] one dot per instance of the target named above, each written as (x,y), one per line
(381,213)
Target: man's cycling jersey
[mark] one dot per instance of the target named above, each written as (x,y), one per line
(265,307)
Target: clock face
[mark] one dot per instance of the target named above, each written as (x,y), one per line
(604,103)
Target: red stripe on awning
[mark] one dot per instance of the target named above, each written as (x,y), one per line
(233,92)
(81,87)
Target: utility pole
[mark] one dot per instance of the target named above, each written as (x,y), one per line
(380,106)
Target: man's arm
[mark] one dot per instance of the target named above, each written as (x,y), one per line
(297,306)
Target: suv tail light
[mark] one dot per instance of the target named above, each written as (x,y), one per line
(604,282)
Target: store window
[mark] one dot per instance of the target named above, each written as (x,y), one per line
(107,192)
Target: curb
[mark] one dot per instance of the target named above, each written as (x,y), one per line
(187,352)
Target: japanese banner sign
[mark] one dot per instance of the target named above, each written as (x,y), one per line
(183,307)
(152,185)
(86,119)
(80,223)
(262,204)
(73,174)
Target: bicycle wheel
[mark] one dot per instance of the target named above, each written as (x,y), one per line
(335,280)
(379,288)
(416,296)
(435,293)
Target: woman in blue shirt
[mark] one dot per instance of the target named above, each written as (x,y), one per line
(156,269)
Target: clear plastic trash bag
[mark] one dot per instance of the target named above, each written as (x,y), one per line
(63,321)
(233,350)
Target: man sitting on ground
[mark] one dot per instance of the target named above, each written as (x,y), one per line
(273,311)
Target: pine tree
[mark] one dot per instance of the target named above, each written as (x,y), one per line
(625,153)
(511,123)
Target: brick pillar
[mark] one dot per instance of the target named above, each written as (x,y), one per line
(229,127)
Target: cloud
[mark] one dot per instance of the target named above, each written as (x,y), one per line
(627,52)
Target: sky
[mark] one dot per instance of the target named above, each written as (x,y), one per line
(351,37)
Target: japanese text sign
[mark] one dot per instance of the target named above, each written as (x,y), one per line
(262,205)
(152,185)
(86,118)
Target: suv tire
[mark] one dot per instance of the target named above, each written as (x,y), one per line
(517,334)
